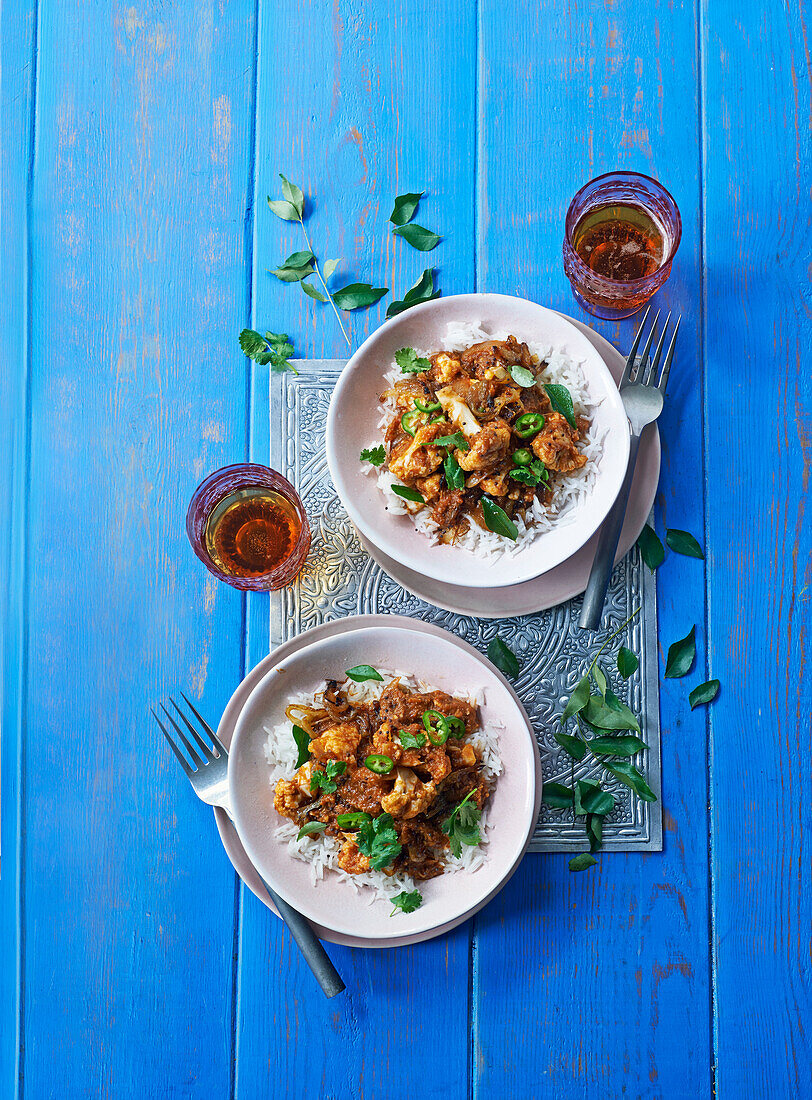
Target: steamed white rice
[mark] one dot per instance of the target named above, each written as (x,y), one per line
(570,493)
(320,851)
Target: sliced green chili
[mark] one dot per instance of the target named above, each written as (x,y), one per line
(522,457)
(436,726)
(379,763)
(528,424)
(352,821)
(434,407)
(456,727)
(407,421)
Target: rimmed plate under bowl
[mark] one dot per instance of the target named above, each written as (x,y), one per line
(444,662)
(352,424)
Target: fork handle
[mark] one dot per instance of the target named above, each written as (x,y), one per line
(604,560)
(309,944)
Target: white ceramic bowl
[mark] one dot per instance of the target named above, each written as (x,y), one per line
(354,414)
(444,662)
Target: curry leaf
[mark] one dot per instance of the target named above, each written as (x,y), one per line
(329,267)
(582,789)
(358,296)
(418,237)
(623,745)
(578,700)
(311,292)
(498,521)
(284,210)
(704,693)
(627,773)
(360,673)
(302,739)
(600,679)
(522,376)
(561,401)
(582,862)
(627,662)
(310,828)
(596,801)
(607,716)
(557,795)
(503,657)
(573,746)
(455,478)
(594,830)
(651,549)
(408,494)
(422,291)
(681,655)
(404,209)
(682,542)
(293,194)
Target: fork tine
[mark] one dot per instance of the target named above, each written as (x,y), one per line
(638,374)
(652,367)
(670,355)
(217,742)
(184,763)
(204,748)
(630,357)
(195,758)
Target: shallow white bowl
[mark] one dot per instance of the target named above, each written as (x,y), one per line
(352,425)
(446,663)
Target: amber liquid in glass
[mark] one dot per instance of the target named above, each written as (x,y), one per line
(619,242)
(251,532)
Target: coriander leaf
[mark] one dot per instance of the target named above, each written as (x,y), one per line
(557,795)
(457,439)
(406,902)
(311,292)
(329,267)
(627,773)
(681,655)
(704,693)
(600,679)
(418,237)
(623,745)
(454,476)
(582,862)
(310,828)
(251,342)
(578,700)
(293,194)
(422,291)
(599,802)
(522,376)
(360,673)
(326,780)
(273,348)
(408,494)
(561,401)
(405,206)
(573,746)
(503,657)
(627,662)
(409,362)
(683,543)
(358,296)
(582,788)
(284,210)
(302,739)
(531,474)
(498,521)
(462,827)
(411,740)
(378,841)
(594,830)
(651,549)
(375,455)
(610,715)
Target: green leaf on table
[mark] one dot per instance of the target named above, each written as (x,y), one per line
(284,210)
(627,773)
(310,828)
(358,296)
(329,267)
(405,207)
(410,362)
(622,745)
(252,342)
(503,657)
(704,693)
(293,273)
(522,376)
(361,673)
(682,542)
(312,292)
(561,401)
(681,655)
(600,680)
(273,348)
(578,700)
(582,788)
(557,795)
(417,236)
(597,801)
(454,475)
(422,291)
(582,861)
(498,521)
(610,713)
(651,549)
(293,194)
(406,902)
(375,455)
(573,746)
(408,494)
(627,662)
(302,739)
(594,831)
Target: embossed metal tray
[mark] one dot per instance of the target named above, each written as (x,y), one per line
(339,578)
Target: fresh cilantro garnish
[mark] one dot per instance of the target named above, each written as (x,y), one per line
(375,455)
(455,440)
(411,740)
(531,474)
(378,841)
(408,361)
(273,348)
(326,780)
(463,825)
(302,739)
(406,902)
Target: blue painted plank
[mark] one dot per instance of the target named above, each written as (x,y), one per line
(354,121)
(759,426)
(138,388)
(17,95)
(597,984)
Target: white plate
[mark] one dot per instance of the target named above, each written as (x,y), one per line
(352,424)
(451,665)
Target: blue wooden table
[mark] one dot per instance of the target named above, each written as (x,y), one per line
(139,142)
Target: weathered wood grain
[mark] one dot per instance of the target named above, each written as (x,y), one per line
(759,426)
(138,390)
(345,109)
(613,961)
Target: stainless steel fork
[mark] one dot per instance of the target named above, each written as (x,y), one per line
(206,768)
(643,393)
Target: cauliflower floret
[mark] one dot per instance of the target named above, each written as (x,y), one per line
(409,796)
(555,445)
(416,457)
(445,367)
(488,447)
(337,742)
(291,794)
(458,412)
(496,485)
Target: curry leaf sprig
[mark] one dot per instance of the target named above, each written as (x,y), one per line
(299,266)
(401,218)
